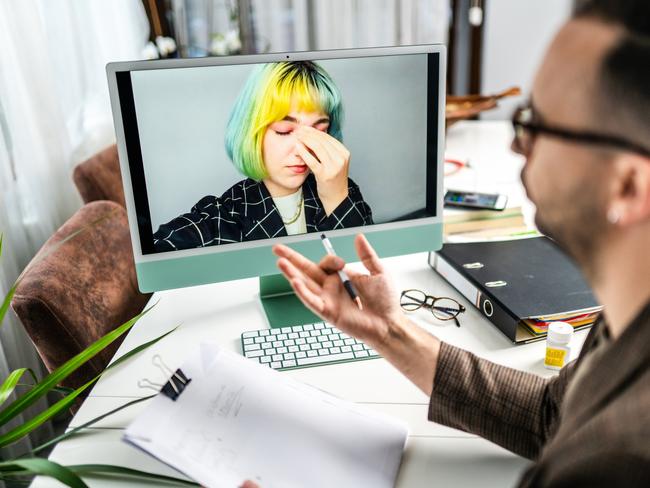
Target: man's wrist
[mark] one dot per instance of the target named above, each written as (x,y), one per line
(411,349)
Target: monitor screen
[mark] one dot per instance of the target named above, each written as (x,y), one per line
(221,155)
(238,153)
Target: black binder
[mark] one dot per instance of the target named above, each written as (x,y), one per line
(509,281)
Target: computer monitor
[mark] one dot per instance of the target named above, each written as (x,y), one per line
(223,157)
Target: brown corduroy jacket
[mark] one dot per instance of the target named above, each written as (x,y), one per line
(588,426)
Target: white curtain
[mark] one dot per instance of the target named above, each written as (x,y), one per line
(54,113)
(286,25)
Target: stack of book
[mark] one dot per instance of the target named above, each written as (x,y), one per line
(458,221)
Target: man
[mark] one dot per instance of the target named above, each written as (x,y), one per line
(585,138)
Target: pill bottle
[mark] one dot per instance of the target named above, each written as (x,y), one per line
(558,345)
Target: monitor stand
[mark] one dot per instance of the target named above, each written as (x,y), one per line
(283,308)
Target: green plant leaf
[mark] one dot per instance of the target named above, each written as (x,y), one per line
(11,382)
(138,349)
(86,469)
(28,426)
(65,370)
(71,432)
(7,300)
(43,467)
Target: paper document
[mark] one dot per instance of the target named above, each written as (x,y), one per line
(238,420)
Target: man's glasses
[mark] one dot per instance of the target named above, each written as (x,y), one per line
(527,129)
(442,308)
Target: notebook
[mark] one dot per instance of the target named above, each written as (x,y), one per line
(230,419)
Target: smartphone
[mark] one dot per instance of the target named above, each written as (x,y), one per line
(468,199)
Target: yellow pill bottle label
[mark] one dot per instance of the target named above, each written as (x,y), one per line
(555,357)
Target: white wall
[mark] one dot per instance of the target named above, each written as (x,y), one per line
(517,33)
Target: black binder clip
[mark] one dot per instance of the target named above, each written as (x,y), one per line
(176,384)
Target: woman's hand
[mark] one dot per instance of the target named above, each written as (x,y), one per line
(320,288)
(329,160)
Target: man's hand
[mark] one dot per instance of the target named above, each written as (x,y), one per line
(320,289)
(329,160)
(381,324)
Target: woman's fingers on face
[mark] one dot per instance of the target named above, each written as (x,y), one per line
(332,143)
(309,159)
(299,261)
(313,141)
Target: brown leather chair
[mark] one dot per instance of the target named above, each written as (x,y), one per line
(99,177)
(71,297)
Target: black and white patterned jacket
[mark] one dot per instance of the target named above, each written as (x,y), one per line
(246,212)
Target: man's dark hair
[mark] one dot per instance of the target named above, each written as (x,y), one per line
(624,80)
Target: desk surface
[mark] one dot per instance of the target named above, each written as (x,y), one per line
(220,312)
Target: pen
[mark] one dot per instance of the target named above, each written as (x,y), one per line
(347,284)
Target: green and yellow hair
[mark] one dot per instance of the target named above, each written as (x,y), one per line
(267,97)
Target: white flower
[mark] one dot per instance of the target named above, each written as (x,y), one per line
(150,51)
(233,41)
(218,47)
(166,45)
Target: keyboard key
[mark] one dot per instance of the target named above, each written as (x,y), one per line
(282,350)
(327,344)
(288,364)
(266,345)
(311,354)
(289,355)
(361,354)
(338,343)
(335,350)
(309,327)
(254,354)
(248,341)
(275,331)
(319,325)
(316,345)
(301,354)
(277,357)
(335,357)
(305,347)
(251,347)
(264,332)
(265,359)
(311,340)
(270,352)
(323,352)
(349,342)
(315,333)
(252,333)
(297,328)
(322,339)
(293,335)
(289,342)
(303,334)
(372,352)
(286,330)
(293,348)
(282,337)
(357,347)
(278,344)
(276,364)
(259,340)
(346,349)
(333,337)
(300,341)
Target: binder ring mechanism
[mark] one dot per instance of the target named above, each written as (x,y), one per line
(176,384)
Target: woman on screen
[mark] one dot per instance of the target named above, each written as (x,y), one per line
(284,135)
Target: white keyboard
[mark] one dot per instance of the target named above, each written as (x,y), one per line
(302,346)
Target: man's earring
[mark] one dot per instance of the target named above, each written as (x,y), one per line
(613,216)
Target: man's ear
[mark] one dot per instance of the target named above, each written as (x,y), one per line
(630,198)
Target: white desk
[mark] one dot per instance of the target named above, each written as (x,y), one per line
(435,455)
